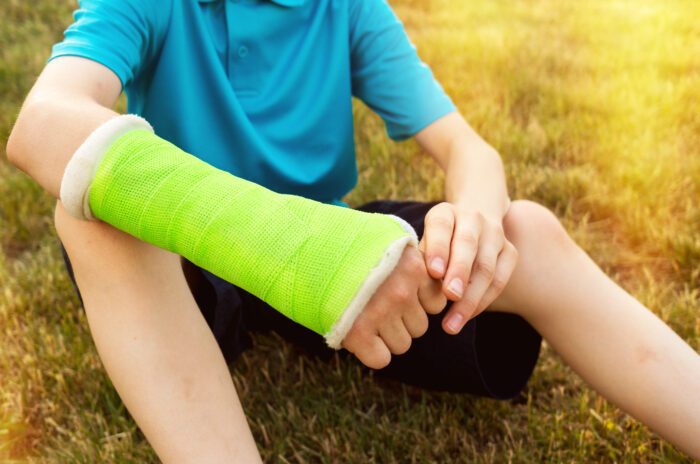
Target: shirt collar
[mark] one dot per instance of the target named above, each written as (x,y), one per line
(287,3)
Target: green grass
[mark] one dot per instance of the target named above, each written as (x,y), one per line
(594,107)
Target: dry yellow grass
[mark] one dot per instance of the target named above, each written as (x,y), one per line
(594,106)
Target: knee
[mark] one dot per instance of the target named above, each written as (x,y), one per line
(92,244)
(84,238)
(530,225)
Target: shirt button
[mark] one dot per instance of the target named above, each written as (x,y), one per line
(242,51)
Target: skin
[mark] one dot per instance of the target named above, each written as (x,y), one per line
(465,243)
(184,399)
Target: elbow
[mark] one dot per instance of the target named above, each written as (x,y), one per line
(16,148)
(19,147)
(12,149)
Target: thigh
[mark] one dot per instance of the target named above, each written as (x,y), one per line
(105,261)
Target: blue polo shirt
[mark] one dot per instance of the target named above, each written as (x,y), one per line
(262,88)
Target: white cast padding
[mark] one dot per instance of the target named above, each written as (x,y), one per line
(81,168)
(374,280)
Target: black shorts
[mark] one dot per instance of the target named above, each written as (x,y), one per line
(494,355)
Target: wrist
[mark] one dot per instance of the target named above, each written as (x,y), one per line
(476,183)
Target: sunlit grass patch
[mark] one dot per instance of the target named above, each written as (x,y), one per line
(594,107)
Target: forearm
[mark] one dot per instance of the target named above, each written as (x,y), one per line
(474,178)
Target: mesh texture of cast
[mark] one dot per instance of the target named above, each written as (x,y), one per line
(304,258)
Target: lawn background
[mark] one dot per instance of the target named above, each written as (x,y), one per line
(594,106)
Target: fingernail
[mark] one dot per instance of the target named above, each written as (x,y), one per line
(456,287)
(438,265)
(454,322)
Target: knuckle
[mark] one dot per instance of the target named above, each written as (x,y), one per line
(458,268)
(467,237)
(470,304)
(475,216)
(438,220)
(415,264)
(375,318)
(441,250)
(402,345)
(401,293)
(499,282)
(411,257)
(486,267)
(361,328)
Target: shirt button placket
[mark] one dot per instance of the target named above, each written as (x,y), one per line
(242,72)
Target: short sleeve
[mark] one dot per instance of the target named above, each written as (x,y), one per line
(387,73)
(119,34)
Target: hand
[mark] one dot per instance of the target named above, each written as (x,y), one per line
(396,313)
(470,252)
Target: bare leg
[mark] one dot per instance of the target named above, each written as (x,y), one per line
(609,338)
(156,346)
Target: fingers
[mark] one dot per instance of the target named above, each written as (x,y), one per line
(374,346)
(437,237)
(471,306)
(415,318)
(484,268)
(410,320)
(507,261)
(396,336)
(431,297)
(416,323)
(469,252)
(465,243)
(370,350)
(396,313)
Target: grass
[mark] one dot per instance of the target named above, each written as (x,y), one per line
(593,106)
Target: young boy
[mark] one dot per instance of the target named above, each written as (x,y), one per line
(262,89)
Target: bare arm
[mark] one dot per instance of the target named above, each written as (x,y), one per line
(464,241)
(471,165)
(71,98)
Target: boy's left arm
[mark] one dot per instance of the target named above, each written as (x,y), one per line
(464,241)
(391,79)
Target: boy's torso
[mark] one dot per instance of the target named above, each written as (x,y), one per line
(262,88)
(265,90)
